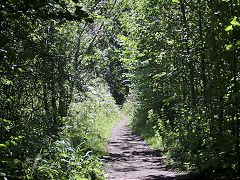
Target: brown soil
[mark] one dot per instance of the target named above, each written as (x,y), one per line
(131,158)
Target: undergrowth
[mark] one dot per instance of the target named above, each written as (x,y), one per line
(176,148)
(77,152)
(138,124)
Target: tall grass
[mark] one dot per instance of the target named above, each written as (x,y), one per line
(83,139)
(140,123)
(93,118)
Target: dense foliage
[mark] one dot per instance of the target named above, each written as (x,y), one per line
(184,61)
(181,57)
(46,66)
(76,153)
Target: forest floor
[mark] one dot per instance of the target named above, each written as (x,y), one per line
(130,158)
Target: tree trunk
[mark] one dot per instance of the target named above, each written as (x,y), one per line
(203,75)
(236,109)
(189,59)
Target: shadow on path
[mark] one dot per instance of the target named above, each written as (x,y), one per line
(131,158)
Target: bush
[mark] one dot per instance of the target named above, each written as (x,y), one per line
(76,151)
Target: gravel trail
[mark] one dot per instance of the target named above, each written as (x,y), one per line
(130,158)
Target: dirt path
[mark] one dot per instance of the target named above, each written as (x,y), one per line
(131,158)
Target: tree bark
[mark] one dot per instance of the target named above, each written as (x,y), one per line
(189,59)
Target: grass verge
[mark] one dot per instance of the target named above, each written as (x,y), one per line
(76,154)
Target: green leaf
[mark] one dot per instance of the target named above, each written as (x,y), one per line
(234,22)
(20,69)
(170,41)
(168,100)
(229,28)
(6,121)
(40,168)
(221,153)
(230,47)
(3,145)
(17,161)
(14,143)
(63,155)
(226,0)
(175,1)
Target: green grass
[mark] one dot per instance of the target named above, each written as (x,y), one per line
(149,136)
(140,126)
(83,139)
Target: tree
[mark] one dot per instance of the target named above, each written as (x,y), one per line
(183,64)
(34,71)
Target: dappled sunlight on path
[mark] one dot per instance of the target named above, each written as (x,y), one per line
(131,158)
